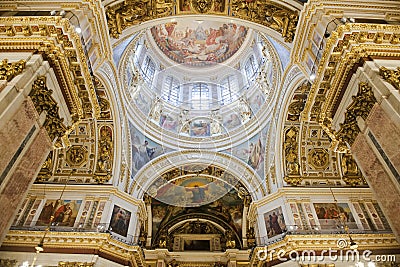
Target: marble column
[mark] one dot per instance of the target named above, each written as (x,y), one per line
(376,151)
(149,224)
(25,145)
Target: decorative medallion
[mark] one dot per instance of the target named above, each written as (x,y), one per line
(76,155)
(318,158)
(202,6)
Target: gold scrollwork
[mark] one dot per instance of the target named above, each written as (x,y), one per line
(279,19)
(43,101)
(9,70)
(290,149)
(132,12)
(105,155)
(76,155)
(318,158)
(46,171)
(351,173)
(391,76)
(202,6)
(360,107)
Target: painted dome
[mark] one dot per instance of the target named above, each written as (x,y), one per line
(199,43)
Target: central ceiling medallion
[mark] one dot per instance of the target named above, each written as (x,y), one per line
(199,43)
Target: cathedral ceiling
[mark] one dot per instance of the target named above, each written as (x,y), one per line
(281,18)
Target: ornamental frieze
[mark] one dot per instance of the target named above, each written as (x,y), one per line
(133,12)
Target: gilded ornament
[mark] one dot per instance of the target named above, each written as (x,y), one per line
(360,107)
(9,70)
(76,155)
(202,6)
(391,76)
(318,158)
(43,101)
(279,19)
(290,149)
(105,154)
(132,12)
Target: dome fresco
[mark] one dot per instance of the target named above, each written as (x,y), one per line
(199,43)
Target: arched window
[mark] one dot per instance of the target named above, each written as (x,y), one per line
(171,90)
(200,96)
(229,89)
(250,69)
(149,69)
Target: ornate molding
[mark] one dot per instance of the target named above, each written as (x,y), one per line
(9,70)
(347,47)
(319,242)
(132,12)
(55,39)
(102,243)
(391,76)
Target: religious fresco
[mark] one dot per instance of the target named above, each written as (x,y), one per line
(199,43)
(169,123)
(143,149)
(189,190)
(119,222)
(256,101)
(200,127)
(334,216)
(232,121)
(143,102)
(64,213)
(252,151)
(229,208)
(274,222)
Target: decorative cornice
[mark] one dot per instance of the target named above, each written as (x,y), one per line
(320,242)
(346,47)
(55,39)
(99,243)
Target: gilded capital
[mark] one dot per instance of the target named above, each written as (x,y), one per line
(9,70)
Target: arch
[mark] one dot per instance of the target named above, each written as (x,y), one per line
(279,18)
(242,172)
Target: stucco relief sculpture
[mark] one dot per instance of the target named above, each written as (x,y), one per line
(281,20)
(290,149)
